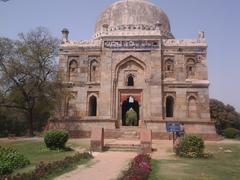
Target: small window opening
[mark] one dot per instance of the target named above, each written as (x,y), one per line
(169,68)
(130,81)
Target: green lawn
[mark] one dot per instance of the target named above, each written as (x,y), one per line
(35,151)
(223,166)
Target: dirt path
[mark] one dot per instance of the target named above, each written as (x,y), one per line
(104,166)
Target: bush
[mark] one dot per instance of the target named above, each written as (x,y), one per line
(56,139)
(5,168)
(11,159)
(131,118)
(139,168)
(190,146)
(230,133)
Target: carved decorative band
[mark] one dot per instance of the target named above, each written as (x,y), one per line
(132,44)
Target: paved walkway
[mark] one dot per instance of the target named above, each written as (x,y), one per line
(108,165)
(104,166)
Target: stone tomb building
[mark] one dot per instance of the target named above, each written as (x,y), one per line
(134,61)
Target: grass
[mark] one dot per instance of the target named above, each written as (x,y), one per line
(223,166)
(36,151)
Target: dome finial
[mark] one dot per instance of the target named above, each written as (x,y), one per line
(65,33)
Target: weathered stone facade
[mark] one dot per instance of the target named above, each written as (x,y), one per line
(133,60)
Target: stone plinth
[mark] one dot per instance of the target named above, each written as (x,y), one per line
(97,139)
(146,140)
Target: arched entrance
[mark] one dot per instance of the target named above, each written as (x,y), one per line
(92,109)
(169,107)
(129,103)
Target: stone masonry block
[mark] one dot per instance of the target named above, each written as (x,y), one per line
(97,139)
(146,140)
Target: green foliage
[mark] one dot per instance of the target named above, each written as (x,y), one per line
(11,123)
(131,118)
(28,75)
(14,122)
(190,146)
(36,151)
(16,127)
(43,170)
(230,133)
(224,116)
(10,159)
(56,139)
(5,168)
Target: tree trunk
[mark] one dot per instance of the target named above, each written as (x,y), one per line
(30,123)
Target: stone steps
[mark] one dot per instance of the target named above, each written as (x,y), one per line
(123,147)
(129,133)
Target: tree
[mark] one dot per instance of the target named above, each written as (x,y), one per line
(27,72)
(224,116)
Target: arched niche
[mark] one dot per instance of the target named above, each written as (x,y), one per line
(192,107)
(94,71)
(70,105)
(191,68)
(72,69)
(169,68)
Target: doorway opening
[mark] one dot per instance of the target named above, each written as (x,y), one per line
(169,107)
(92,111)
(127,105)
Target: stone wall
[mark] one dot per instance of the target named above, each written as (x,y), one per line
(171,67)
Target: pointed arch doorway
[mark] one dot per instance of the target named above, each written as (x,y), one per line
(130,99)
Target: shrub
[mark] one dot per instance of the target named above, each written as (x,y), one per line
(230,133)
(131,118)
(5,168)
(190,146)
(56,139)
(139,169)
(11,159)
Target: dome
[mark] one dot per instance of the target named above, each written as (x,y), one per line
(133,15)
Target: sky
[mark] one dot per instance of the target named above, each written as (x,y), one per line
(220,19)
